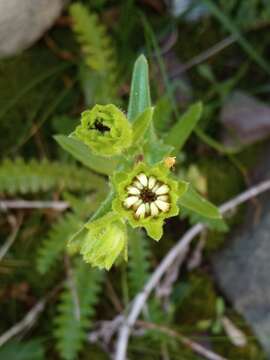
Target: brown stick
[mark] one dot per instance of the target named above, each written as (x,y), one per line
(140,299)
(193,345)
(27,204)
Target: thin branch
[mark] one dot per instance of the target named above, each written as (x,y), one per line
(213,50)
(176,250)
(164,289)
(27,204)
(10,240)
(25,323)
(196,257)
(30,318)
(193,345)
(73,288)
(198,59)
(105,330)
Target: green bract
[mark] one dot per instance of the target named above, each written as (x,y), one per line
(104,241)
(105,129)
(146,196)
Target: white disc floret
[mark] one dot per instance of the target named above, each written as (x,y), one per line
(147,196)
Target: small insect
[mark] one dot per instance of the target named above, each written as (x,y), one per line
(170,162)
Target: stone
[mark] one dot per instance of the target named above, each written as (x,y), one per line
(242,268)
(245,119)
(22,22)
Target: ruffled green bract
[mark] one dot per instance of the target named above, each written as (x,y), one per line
(105,129)
(103,241)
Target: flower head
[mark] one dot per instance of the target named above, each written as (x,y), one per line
(104,241)
(146,197)
(105,129)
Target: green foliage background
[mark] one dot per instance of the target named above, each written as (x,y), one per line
(42,92)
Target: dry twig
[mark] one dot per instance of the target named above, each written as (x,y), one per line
(30,318)
(28,204)
(10,240)
(181,245)
(25,323)
(73,288)
(193,345)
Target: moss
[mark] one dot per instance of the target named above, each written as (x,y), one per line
(221,171)
(223,178)
(154,350)
(200,304)
(199,301)
(250,352)
(94,352)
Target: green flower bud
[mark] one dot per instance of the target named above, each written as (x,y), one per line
(105,240)
(105,129)
(147,196)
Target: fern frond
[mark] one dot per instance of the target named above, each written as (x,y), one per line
(53,246)
(96,44)
(70,327)
(18,176)
(138,263)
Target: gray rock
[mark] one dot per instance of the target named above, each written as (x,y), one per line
(22,22)
(246,119)
(242,268)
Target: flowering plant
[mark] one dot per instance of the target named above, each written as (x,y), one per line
(105,130)
(144,191)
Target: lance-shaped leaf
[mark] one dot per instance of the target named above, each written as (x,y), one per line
(179,133)
(141,124)
(82,153)
(193,201)
(139,98)
(156,151)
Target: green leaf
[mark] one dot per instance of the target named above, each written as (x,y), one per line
(228,150)
(212,224)
(179,133)
(220,307)
(138,260)
(54,244)
(139,98)
(104,207)
(141,124)
(245,44)
(154,229)
(204,324)
(76,309)
(193,201)
(163,113)
(82,153)
(23,350)
(76,240)
(182,187)
(30,86)
(22,177)
(156,151)
(99,83)
(216,327)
